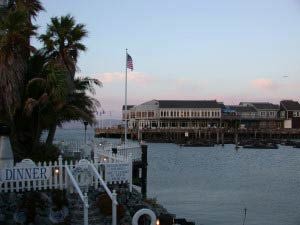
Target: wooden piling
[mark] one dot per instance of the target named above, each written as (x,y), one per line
(144,171)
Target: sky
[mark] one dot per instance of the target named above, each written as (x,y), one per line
(231,50)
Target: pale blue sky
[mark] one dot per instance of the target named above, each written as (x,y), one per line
(231,50)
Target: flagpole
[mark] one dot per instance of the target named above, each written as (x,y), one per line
(125,139)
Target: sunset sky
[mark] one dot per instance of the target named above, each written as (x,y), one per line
(230,50)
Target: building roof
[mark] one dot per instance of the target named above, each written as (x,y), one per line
(128,107)
(261,105)
(189,104)
(290,105)
(243,109)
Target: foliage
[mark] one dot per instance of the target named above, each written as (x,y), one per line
(104,203)
(14,46)
(44,153)
(151,201)
(59,199)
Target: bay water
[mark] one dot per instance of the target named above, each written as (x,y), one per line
(214,185)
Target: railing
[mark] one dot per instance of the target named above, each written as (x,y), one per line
(130,151)
(80,149)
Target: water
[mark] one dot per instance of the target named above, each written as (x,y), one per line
(212,186)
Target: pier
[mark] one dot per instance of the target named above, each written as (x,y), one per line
(215,135)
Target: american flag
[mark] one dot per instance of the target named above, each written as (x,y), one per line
(129,62)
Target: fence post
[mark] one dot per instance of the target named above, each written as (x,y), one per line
(96,158)
(114,208)
(86,209)
(60,166)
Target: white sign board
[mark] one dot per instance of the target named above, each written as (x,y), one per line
(117,172)
(24,174)
(186,134)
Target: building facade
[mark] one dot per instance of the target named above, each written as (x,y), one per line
(174,114)
(290,111)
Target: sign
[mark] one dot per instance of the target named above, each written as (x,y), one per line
(117,172)
(24,174)
(186,134)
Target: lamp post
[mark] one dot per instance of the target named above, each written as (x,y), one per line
(85,128)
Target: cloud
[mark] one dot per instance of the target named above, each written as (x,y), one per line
(264,84)
(135,77)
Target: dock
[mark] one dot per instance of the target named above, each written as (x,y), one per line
(215,135)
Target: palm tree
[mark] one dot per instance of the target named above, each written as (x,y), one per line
(31,7)
(45,96)
(15,32)
(80,106)
(14,48)
(62,43)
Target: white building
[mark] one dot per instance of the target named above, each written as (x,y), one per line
(174,114)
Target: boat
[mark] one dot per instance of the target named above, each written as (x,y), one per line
(297,145)
(197,144)
(262,146)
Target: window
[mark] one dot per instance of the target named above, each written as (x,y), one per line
(150,114)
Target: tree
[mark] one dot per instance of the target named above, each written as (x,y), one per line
(45,95)
(62,43)
(14,47)
(80,106)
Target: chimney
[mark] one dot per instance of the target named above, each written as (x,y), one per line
(6,154)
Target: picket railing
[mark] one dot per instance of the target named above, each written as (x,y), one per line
(80,149)
(28,176)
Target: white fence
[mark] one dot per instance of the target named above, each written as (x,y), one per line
(28,176)
(79,149)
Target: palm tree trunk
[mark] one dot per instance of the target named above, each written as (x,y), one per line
(51,134)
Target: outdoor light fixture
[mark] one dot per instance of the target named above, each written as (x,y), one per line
(157,222)
(56,171)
